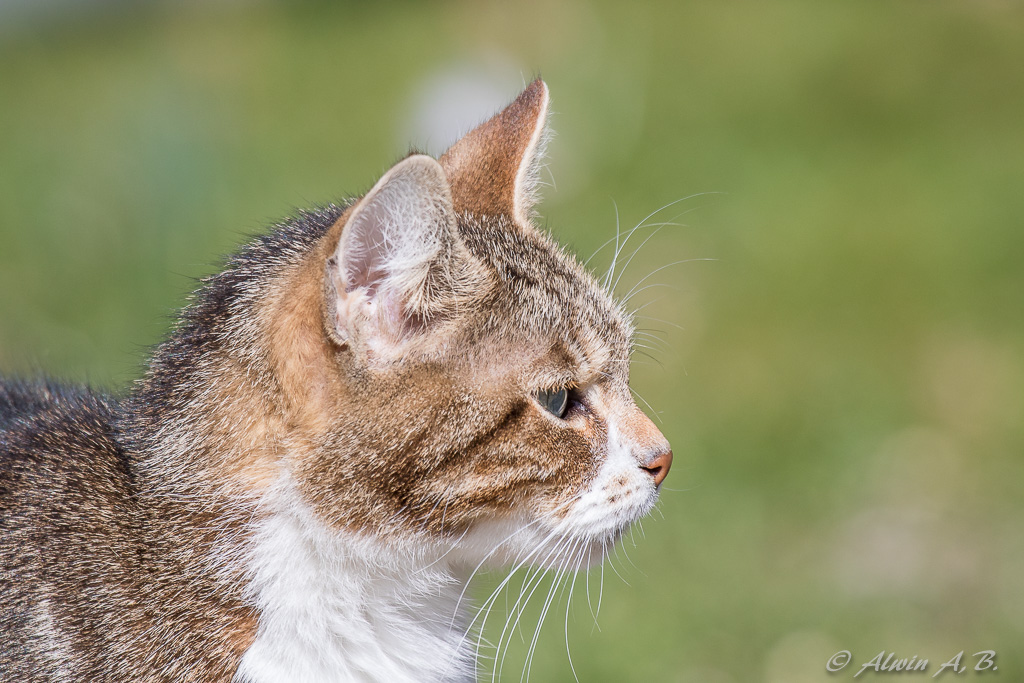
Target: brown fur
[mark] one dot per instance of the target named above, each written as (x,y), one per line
(123,524)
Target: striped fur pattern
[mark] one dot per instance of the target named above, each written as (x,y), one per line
(342,428)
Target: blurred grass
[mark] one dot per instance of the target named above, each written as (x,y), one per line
(845,395)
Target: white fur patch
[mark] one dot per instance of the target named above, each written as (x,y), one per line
(58,648)
(338,607)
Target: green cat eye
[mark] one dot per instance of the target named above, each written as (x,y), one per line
(554,401)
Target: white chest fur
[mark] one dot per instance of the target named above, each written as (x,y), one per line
(337,607)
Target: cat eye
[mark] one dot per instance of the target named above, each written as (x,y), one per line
(555,401)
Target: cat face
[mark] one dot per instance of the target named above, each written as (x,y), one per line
(473,377)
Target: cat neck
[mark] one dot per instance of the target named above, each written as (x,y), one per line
(338,606)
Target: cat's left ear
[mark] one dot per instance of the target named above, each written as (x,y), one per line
(400,270)
(494,169)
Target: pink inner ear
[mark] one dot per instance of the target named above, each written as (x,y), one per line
(363,262)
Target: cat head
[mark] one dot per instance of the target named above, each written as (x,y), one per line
(465,376)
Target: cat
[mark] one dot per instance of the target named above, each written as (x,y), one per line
(367,405)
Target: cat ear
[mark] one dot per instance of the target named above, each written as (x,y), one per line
(494,168)
(399,265)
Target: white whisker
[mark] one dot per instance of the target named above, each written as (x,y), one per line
(568,606)
(559,575)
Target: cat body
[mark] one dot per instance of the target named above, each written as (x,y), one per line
(365,407)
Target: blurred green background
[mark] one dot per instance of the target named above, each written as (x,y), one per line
(845,386)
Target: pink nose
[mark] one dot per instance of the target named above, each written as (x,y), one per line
(659,466)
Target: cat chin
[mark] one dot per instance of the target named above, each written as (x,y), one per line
(574,541)
(573,552)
